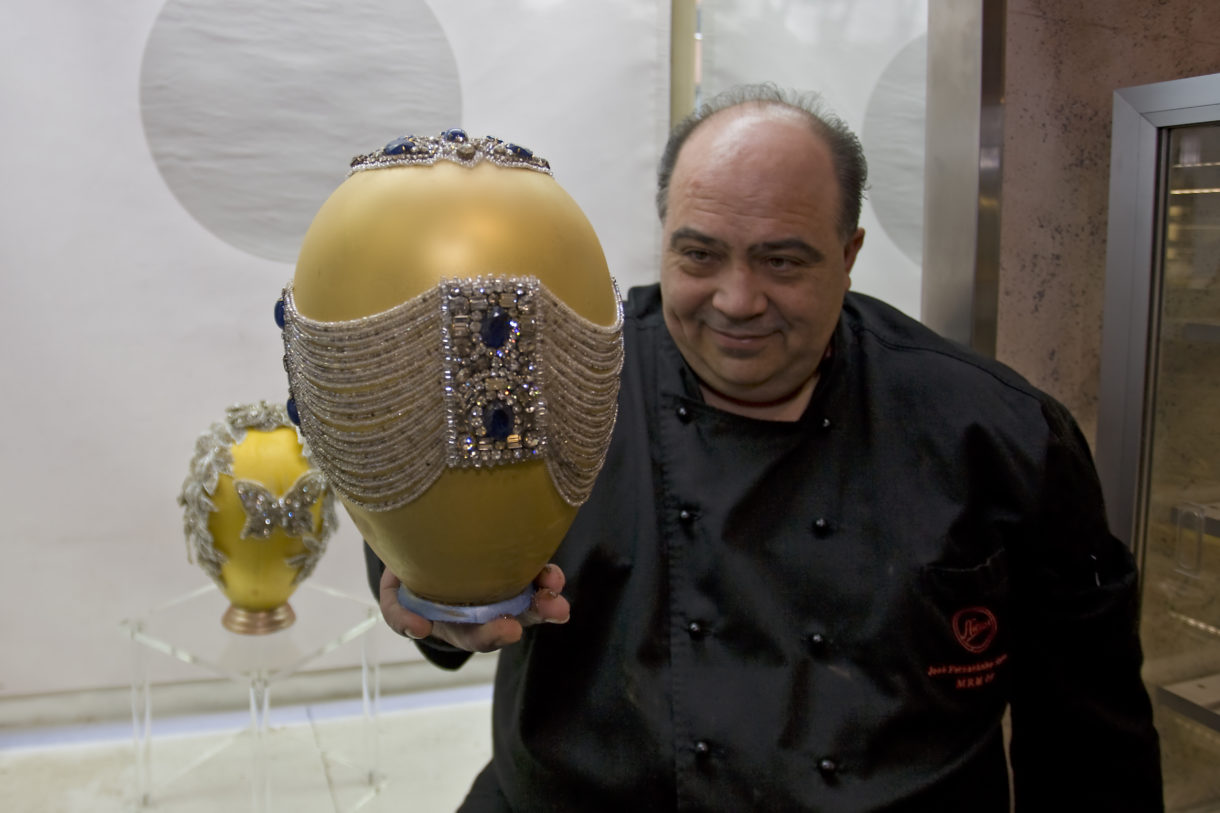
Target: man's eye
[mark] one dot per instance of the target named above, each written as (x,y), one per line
(697,255)
(782,263)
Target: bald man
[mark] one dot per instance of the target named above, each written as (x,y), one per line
(828,548)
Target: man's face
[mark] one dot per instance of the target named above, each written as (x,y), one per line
(754,269)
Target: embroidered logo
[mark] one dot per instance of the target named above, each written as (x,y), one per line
(975,628)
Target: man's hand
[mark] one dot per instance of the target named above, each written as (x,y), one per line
(547,607)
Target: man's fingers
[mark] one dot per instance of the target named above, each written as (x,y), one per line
(495,634)
(551,578)
(413,626)
(547,606)
(552,607)
(397,617)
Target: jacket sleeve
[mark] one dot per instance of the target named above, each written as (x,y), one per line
(1083,736)
(436,651)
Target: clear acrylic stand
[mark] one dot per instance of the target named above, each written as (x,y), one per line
(188,628)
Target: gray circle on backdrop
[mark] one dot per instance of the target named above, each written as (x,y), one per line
(253,110)
(893,139)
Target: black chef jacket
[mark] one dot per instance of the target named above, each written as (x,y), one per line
(832,614)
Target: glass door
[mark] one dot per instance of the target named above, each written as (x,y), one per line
(1179,542)
(1158,436)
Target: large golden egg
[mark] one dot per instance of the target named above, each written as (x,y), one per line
(390,234)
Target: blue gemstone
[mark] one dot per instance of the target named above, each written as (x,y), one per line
(400,146)
(279,313)
(494,332)
(454,135)
(498,420)
(519,151)
(293,415)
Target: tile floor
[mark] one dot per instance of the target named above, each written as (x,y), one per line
(428,749)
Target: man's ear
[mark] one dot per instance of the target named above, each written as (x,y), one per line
(850,249)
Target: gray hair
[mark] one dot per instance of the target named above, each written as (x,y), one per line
(851,169)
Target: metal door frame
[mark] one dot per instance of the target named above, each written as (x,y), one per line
(1132,284)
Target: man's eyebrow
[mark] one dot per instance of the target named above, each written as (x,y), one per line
(789,244)
(687,233)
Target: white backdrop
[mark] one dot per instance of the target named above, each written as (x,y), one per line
(160,160)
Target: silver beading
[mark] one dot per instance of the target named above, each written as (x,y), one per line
(476,372)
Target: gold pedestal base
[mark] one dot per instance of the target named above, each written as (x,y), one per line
(258,622)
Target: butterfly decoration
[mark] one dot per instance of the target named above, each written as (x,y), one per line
(292,512)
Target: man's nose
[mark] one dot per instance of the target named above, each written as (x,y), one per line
(738,293)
